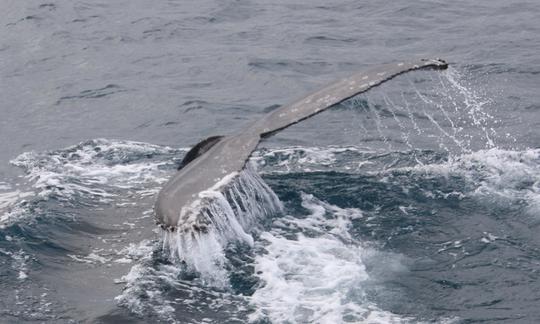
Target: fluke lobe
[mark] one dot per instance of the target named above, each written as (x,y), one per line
(216,160)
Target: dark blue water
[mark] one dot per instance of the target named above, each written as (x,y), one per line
(418,201)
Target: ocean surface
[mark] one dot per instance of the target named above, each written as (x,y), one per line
(416,202)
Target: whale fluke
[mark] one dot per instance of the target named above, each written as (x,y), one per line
(199,149)
(337,92)
(210,164)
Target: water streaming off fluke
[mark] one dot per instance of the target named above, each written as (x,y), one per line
(226,214)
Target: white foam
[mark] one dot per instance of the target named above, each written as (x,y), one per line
(85,168)
(91,258)
(306,159)
(10,198)
(349,159)
(15,214)
(129,297)
(502,176)
(123,260)
(137,251)
(315,278)
(95,169)
(148,282)
(144,284)
(19,262)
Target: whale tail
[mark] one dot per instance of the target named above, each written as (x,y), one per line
(336,93)
(210,164)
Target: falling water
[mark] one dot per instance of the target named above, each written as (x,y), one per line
(438,110)
(235,210)
(232,214)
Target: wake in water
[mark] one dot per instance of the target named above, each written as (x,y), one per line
(318,274)
(392,229)
(67,219)
(311,268)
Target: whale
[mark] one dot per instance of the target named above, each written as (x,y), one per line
(216,160)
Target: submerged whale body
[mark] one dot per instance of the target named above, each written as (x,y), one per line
(213,162)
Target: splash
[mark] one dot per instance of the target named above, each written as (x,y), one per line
(156,289)
(87,174)
(89,167)
(471,109)
(500,177)
(319,273)
(230,213)
(474,104)
(434,111)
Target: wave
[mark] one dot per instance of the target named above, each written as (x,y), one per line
(88,174)
(276,263)
(503,176)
